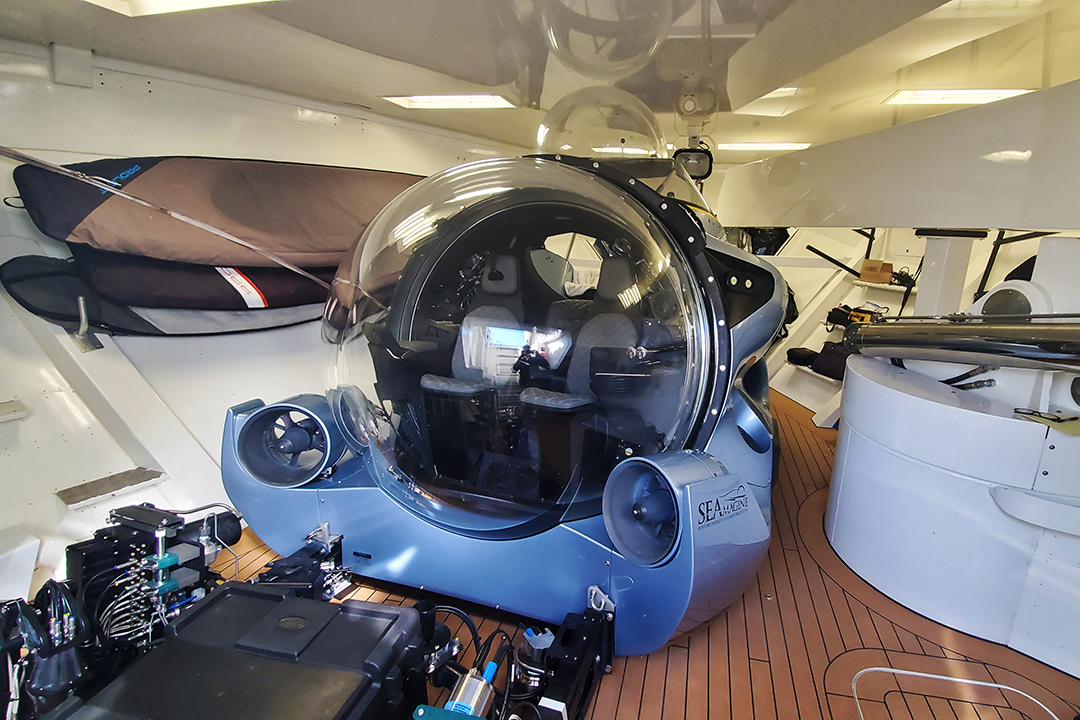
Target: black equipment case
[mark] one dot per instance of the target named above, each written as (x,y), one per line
(252,652)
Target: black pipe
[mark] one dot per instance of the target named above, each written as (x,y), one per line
(833,260)
(869,234)
(1040,346)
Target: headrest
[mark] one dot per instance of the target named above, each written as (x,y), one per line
(616,276)
(500,275)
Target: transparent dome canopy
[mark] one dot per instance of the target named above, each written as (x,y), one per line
(508,331)
(601,122)
(606,39)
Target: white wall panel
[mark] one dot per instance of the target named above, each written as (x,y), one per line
(199,378)
(59,444)
(139,110)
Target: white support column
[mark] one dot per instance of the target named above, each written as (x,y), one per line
(944,270)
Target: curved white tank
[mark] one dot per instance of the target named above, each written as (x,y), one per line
(958,507)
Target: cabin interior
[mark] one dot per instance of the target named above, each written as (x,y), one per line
(938,137)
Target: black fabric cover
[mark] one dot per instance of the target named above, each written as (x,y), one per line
(801,356)
(832,360)
(792,312)
(57,204)
(149,282)
(50,288)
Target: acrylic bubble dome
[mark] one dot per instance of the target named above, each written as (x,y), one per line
(601,122)
(606,39)
(507,332)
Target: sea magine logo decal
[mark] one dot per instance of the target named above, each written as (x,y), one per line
(720,509)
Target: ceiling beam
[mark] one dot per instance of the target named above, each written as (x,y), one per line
(809,35)
(1020,170)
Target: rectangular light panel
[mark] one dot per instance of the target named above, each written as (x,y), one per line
(138,8)
(451,102)
(784,92)
(958,96)
(763,146)
(620,150)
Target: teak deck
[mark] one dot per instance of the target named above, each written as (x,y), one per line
(791,646)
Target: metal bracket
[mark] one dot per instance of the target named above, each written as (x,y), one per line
(12,410)
(321,534)
(84,339)
(599,601)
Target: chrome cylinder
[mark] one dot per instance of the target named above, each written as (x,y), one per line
(1035,345)
(471,695)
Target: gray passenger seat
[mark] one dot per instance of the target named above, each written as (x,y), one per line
(497,303)
(609,323)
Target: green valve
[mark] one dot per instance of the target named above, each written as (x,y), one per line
(167,560)
(164,587)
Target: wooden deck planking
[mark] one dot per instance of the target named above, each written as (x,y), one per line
(675,707)
(784,515)
(720,680)
(739,682)
(790,646)
(652,692)
(802,648)
(606,701)
(820,606)
(697,674)
(897,706)
(761,686)
(779,656)
(632,686)
(842,612)
(757,643)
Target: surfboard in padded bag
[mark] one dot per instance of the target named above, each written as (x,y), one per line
(51,288)
(142,272)
(308,215)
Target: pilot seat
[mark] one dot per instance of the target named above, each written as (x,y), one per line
(465,417)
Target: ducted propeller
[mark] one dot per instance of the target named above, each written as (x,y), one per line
(640,513)
(290,443)
(293,438)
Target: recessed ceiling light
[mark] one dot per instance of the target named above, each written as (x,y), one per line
(1005,156)
(971,9)
(783,92)
(990,4)
(957,96)
(779,103)
(622,150)
(137,8)
(763,146)
(451,102)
